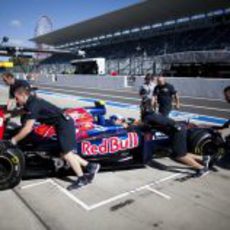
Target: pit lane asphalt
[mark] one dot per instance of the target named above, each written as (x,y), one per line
(148,198)
(205,106)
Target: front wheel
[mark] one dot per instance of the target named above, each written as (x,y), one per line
(11,166)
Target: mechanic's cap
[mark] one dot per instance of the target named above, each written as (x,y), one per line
(100,103)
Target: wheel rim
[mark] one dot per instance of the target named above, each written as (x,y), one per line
(6,169)
(207,147)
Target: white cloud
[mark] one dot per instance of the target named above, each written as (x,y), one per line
(16,23)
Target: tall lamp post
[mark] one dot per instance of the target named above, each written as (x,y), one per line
(142,53)
(138,52)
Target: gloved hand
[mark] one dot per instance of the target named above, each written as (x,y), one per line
(13,141)
(6,144)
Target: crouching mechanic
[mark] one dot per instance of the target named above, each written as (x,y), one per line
(44,112)
(13,83)
(178,137)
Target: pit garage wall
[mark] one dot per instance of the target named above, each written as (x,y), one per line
(196,87)
(100,82)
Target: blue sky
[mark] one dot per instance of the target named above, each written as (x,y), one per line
(19,17)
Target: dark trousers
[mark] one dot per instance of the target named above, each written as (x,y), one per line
(165,110)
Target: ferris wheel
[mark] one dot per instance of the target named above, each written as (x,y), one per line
(44,25)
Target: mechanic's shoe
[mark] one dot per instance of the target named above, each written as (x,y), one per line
(80,182)
(92,170)
(207,161)
(201,172)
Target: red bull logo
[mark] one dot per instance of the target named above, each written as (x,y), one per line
(110,145)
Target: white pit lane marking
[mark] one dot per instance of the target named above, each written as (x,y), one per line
(122,195)
(161,194)
(70,195)
(35,184)
(87,207)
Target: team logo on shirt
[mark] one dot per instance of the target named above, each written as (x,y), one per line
(165,90)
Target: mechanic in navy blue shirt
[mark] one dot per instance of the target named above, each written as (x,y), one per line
(225,130)
(13,83)
(225,133)
(178,138)
(39,110)
(164,94)
(227,98)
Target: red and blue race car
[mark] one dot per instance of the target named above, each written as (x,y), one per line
(114,143)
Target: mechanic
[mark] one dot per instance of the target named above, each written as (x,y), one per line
(164,94)
(227,93)
(227,98)
(226,126)
(13,83)
(39,110)
(225,131)
(178,138)
(146,92)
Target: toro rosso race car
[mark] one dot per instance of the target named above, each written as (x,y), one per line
(97,139)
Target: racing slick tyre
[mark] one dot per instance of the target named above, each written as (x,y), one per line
(11,166)
(203,142)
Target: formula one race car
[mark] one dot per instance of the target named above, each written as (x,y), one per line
(108,141)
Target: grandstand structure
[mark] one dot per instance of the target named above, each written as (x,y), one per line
(181,38)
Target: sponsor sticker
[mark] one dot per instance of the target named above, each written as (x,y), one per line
(110,145)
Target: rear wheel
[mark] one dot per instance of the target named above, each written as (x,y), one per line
(11,166)
(203,142)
